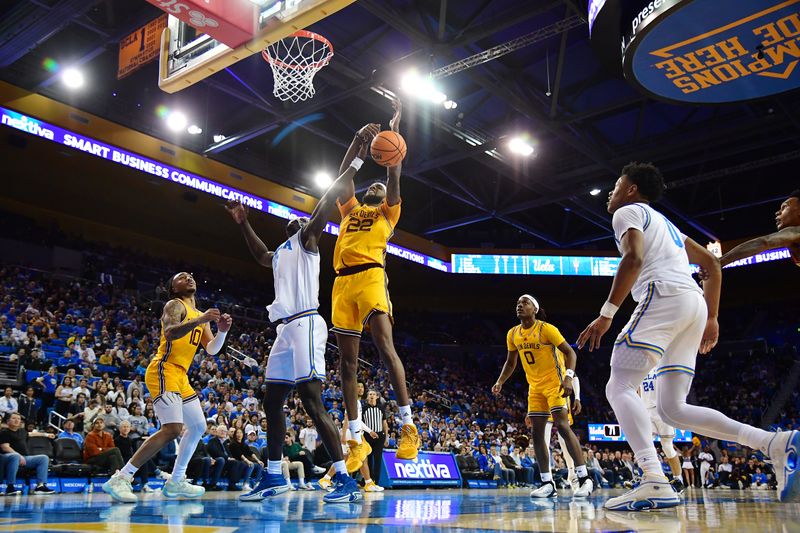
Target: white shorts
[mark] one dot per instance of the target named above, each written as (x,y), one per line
(659,427)
(298,354)
(664,331)
(170,408)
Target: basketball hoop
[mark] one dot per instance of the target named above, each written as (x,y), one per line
(294,62)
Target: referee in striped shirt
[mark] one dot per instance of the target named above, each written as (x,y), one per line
(373,418)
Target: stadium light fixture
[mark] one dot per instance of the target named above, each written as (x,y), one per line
(176,121)
(218,138)
(520,147)
(450,104)
(194,129)
(422,87)
(322,180)
(595,192)
(73,78)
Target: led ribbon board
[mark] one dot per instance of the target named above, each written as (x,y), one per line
(177,175)
(614,433)
(711,51)
(569,265)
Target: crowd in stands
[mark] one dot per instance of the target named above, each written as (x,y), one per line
(84,344)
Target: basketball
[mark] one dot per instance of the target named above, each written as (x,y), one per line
(388,148)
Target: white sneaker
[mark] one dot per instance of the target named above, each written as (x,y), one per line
(573,482)
(306,486)
(291,485)
(783,451)
(652,493)
(547,490)
(147,489)
(583,490)
(318,469)
(164,475)
(181,488)
(246,487)
(120,489)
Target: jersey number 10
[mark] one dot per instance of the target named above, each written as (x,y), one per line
(197,333)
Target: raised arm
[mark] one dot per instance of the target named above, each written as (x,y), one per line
(258,249)
(712,287)
(393,173)
(360,142)
(174,313)
(779,239)
(319,218)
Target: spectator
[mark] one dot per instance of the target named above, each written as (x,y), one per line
(75,412)
(91,412)
(63,396)
(82,388)
(706,462)
(69,433)
(724,472)
(119,410)
(135,398)
(505,476)
(137,385)
(295,452)
(593,467)
(112,421)
(335,412)
(205,468)
(254,440)
(127,445)
(140,426)
(99,449)
(217,450)
(8,404)
(309,436)
(49,384)
(27,406)
(524,473)
(607,464)
(239,450)
(14,440)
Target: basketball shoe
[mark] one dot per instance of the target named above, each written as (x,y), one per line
(408,446)
(652,493)
(783,451)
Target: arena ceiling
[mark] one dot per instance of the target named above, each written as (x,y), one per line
(728,166)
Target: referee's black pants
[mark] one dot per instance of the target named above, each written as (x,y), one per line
(375,459)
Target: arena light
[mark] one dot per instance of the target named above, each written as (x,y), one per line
(322,180)
(519,146)
(450,104)
(218,138)
(194,129)
(422,87)
(73,78)
(176,121)
(595,192)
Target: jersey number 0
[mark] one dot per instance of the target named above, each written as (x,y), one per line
(529,357)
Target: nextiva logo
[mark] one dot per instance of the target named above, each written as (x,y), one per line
(26,124)
(714,51)
(424,469)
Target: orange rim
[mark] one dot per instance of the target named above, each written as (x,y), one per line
(309,35)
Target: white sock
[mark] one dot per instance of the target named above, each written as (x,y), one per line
(355,430)
(581,471)
(340,467)
(405,412)
(756,438)
(367,481)
(128,471)
(301,480)
(273,467)
(546,477)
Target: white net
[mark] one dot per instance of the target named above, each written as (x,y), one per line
(294,62)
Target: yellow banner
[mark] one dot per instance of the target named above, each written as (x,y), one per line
(141,46)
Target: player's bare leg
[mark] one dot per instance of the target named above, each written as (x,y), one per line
(381,328)
(348,367)
(540,446)
(561,422)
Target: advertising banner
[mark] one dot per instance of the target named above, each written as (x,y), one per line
(431,469)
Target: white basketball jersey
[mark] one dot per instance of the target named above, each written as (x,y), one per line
(648,390)
(296,274)
(665,260)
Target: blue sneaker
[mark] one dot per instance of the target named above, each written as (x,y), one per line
(345,490)
(783,451)
(270,485)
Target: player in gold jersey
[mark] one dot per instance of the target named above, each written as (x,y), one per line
(183,328)
(361,294)
(537,344)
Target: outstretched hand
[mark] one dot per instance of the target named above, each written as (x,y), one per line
(224,322)
(237,210)
(594,333)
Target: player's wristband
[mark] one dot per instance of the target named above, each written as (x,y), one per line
(356,163)
(608,310)
(570,373)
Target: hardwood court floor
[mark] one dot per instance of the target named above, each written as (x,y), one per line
(396,511)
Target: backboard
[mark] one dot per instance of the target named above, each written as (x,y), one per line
(188,55)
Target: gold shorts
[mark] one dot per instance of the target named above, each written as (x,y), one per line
(164,377)
(356,297)
(546,398)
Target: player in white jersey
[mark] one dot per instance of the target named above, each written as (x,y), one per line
(297,357)
(672,321)
(665,432)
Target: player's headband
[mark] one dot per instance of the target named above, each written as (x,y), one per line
(533,301)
